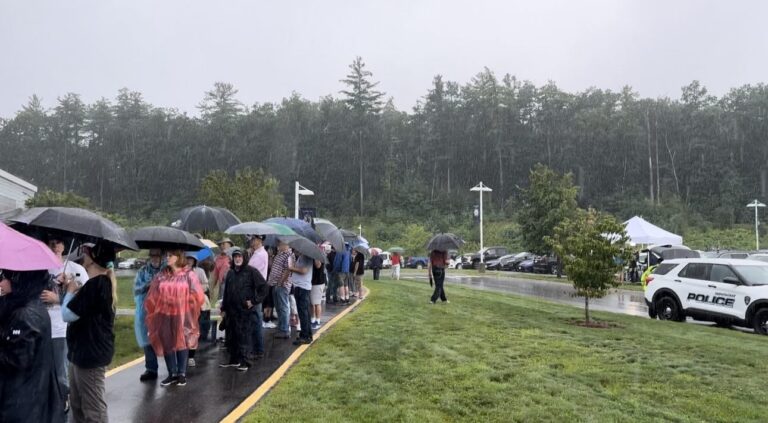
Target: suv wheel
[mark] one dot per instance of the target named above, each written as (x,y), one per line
(419,266)
(760,321)
(667,309)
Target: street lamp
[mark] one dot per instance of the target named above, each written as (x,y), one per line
(299,190)
(481,188)
(756,204)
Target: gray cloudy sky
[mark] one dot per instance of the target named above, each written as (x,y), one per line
(172,51)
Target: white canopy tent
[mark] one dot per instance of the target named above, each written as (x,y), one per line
(640,231)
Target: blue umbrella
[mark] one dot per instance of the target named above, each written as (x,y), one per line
(203,254)
(299,226)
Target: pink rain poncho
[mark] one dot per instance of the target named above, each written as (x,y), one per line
(173,308)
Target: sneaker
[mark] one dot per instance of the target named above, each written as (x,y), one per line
(270,325)
(431,302)
(282,335)
(258,356)
(181,380)
(168,381)
(191,362)
(302,341)
(315,325)
(242,367)
(147,375)
(228,364)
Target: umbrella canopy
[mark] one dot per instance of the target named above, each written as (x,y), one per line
(283,232)
(208,243)
(362,249)
(80,222)
(375,250)
(204,218)
(166,238)
(444,242)
(299,226)
(348,235)
(202,254)
(22,253)
(254,228)
(399,250)
(307,248)
(330,233)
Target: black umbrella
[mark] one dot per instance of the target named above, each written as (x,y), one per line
(330,233)
(307,248)
(299,226)
(204,218)
(85,225)
(166,238)
(348,235)
(444,242)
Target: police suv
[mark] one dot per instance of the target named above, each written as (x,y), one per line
(725,291)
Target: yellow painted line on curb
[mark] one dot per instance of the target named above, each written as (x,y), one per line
(125,366)
(268,384)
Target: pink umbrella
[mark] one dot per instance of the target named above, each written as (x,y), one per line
(20,252)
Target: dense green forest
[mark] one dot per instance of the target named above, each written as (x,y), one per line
(696,160)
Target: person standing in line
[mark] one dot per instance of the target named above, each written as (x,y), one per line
(241,292)
(331,296)
(260,262)
(319,280)
(29,390)
(376,262)
(140,288)
(173,308)
(343,259)
(438,261)
(51,297)
(396,261)
(205,308)
(220,270)
(358,270)
(301,279)
(278,279)
(90,312)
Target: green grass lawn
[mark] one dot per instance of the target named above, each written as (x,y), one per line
(125,292)
(126,348)
(493,357)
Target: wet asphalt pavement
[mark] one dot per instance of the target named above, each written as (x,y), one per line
(211,392)
(617,301)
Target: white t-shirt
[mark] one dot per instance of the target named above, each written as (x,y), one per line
(302,281)
(58,325)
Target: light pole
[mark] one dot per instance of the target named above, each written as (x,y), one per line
(481,188)
(299,190)
(756,204)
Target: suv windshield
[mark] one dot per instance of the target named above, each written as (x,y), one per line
(753,275)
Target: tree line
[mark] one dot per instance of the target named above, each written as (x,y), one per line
(700,155)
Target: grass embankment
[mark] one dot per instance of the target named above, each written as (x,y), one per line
(125,292)
(493,357)
(126,348)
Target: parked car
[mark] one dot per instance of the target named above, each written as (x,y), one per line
(498,264)
(417,262)
(758,257)
(130,263)
(667,252)
(489,253)
(724,291)
(526,266)
(461,262)
(733,254)
(514,262)
(545,264)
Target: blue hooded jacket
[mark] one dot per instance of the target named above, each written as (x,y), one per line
(140,288)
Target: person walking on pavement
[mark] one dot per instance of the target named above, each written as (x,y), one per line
(396,262)
(260,262)
(278,279)
(438,261)
(220,270)
(90,312)
(173,306)
(29,389)
(140,288)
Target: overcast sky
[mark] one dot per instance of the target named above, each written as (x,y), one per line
(173,51)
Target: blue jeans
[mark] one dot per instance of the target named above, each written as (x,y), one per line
(302,308)
(177,362)
(257,321)
(61,365)
(150,359)
(283,306)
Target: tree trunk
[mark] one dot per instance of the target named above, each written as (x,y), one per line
(656,137)
(360,143)
(586,309)
(650,157)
